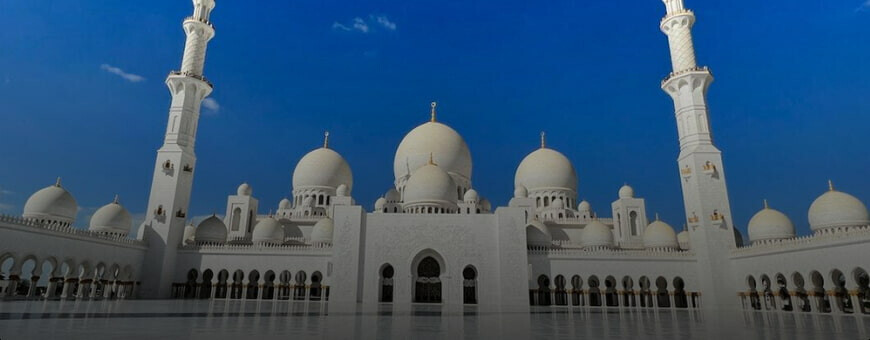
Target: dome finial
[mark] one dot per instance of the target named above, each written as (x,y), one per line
(830,185)
(57,183)
(657,217)
(433,105)
(432,159)
(326,140)
(117,199)
(765,204)
(543,140)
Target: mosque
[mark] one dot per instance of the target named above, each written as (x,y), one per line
(432,238)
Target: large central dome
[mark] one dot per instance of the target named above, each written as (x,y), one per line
(445,145)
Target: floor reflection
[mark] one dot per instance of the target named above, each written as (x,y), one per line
(263,319)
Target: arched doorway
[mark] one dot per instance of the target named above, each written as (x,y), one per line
(561,293)
(387,274)
(428,281)
(469,285)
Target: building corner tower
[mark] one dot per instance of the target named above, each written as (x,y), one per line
(705,194)
(174,168)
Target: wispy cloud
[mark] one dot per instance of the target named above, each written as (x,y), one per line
(5,208)
(133,78)
(364,26)
(384,21)
(863,7)
(211,105)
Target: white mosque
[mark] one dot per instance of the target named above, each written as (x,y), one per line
(432,238)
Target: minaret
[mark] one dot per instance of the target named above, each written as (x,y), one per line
(705,195)
(174,168)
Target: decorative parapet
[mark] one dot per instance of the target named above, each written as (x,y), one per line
(578,220)
(849,235)
(260,248)
(677,13)
(609,252)
(65,230)
(207,22)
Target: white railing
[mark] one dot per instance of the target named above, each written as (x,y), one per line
(64,229)
(260,247)
(847,233)
(602,251)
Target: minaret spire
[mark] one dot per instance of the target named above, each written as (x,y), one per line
(172,183)
(326,140)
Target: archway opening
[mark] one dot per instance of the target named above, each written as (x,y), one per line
(561,293)
(428,281)
(576,290)
(469,285)
(386,292)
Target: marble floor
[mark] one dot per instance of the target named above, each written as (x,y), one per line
(179,319)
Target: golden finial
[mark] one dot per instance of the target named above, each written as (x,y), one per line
(117,199)
(830,185)
(433,105)
(57,183)
(543,139)
(657,217)
(326,139)
(765,204)
(432,159)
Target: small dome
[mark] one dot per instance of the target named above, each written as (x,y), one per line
(245,190)
(430,184)
(558,204)
(268,230)
(111,218)
(471,196)
(211,230)
(546,169)
(521,192)
(626,191)
(393,196)
(596,234)
(53,204)
(342,191)
(837,209)
(485,205)
(770,224)
(322,168)
(380,204)
(189,234)
(322,232)
(683,239)
(538,235)
(284,204)
(584,206)
(660,235)
(440,141)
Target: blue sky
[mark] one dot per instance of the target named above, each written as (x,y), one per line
(82,95)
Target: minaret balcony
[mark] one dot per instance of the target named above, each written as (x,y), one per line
(204,21)
(686,71)
(677,13)
(192,75)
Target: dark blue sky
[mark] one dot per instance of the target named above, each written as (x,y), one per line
(789,106)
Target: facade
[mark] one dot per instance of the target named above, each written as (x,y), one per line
(433,238)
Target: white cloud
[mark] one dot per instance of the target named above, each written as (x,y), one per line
(360,25)
(384,21)
(863,7)
(364,26)
(133,78)
(211,104)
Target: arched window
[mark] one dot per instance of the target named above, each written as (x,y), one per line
(250,219)
(633,221)
(320,199)
(237,217)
